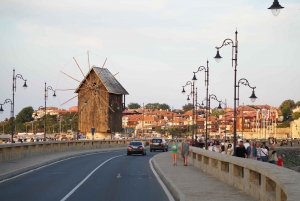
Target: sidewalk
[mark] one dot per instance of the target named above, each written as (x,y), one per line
(196,184)
(12,168)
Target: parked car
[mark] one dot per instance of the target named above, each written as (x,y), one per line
(159,144)
(136,147)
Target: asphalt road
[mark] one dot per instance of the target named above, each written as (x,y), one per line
(93,177)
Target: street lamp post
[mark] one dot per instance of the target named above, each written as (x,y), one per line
(275,8)
(46,97)
(188,98)
(206,82)
(14,88)
(234,59)
(11,114)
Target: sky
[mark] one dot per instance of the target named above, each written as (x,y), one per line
(153,45)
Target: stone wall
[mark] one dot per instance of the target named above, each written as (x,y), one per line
(263,181)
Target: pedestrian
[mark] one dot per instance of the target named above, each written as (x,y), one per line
(210,147)
(217,148)
(223,149)
(185,147)
(240,151)
(229,150)
(174,149)
(264,153)
(280,161)
(264,144)
(247,144)
(252,151)
(273,156)
(258,151)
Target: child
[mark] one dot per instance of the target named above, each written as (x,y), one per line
(280,161)
(174,149)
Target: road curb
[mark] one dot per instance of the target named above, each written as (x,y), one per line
(174,190)
(14,173)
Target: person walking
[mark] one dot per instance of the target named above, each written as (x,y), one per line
(241,151)
(185,147)
(272,156)
(229,150)
(174,149)
(264,153)
(252,151)
(258,151)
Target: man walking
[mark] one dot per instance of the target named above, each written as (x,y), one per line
(240,151)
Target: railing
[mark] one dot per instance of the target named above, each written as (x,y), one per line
(263,181)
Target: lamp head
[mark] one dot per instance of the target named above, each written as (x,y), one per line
(275,8)
(218,57)
(253,97)
(183,91)
(194,78)
(219,107)
(1,110)
(188,98)
(25,85)
(54,95)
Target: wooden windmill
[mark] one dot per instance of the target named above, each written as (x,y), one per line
(101,100)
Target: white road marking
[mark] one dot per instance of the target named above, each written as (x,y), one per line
(161,183)
(4,180)
(86,178)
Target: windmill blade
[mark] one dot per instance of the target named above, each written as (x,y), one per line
(68,100)
(88,54)
(105,101)
(78,66)
(70,76)
(103,66)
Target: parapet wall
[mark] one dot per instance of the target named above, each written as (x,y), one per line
(21,150)
(263,181)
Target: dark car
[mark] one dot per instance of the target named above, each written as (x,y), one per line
(136,147)
(159,144)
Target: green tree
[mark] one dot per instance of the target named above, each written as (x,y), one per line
(152,106)
(286,108)
(25,115)
(288,103)
(296,115)
(173,131)
(164,106)
(284,124)
(187,107)
(217,113)
(133,106)
(298,103)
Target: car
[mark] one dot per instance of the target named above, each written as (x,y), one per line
(136,147)
(159,144)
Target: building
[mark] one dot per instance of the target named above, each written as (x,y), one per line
(101,99)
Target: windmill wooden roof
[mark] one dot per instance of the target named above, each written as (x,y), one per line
(108,79)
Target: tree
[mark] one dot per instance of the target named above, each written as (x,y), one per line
(152,106)
(133,106)
(164,106)
(187,107)
(289,103)
(296,115)
(25,115)
(173,131)
(217,113)
(298,103)
(286,108)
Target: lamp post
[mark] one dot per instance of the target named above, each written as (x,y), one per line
(206,83)
(275,8)
(188,98)
(234,59)
(14,88)
(11,114)
(46,97)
